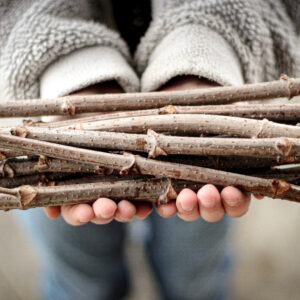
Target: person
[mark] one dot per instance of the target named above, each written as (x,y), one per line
(55,48)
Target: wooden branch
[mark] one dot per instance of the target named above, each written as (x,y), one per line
(160,190)
(157,144)
(286,87)
(38,179)
(138,190)
(196,124)
(130,163)
(23,172)
(22,167)
(272,112)
(236,163)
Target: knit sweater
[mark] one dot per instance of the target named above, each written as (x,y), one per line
(51,48)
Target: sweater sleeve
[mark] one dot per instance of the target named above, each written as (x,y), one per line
(42,40)
(229,41)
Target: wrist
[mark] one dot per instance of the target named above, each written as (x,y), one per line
(187,82)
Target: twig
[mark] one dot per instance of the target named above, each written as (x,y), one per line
(272,112)
(130,163)
(287,87)
(157,144)
(236,163)
(196,124)
(38,179)
(152,190)
(22,167)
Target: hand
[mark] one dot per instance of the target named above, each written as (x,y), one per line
(207,202)
(189,206)
(103,210)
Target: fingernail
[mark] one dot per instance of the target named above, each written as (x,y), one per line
(107,216)
(233,202)
(211,203)
(187,207)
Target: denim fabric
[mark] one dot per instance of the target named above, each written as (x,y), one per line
(87,262)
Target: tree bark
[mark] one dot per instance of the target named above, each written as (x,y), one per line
(157,144)
(272,112)
(188,124)
(128,163)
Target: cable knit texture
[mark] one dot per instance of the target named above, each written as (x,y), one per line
(36,33)
(260,32)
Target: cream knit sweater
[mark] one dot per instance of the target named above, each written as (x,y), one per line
(53,47)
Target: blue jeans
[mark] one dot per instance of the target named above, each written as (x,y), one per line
(87,262)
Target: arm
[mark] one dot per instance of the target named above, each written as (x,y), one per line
(38,38)
(228,42)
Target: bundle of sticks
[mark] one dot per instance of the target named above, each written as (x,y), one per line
(149,146)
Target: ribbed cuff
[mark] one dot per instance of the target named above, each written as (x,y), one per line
(85,67)
(192,50)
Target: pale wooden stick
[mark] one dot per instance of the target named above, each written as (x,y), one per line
(196,124)
(157,144)
(272,112)
(287,87)
(130,163)
(151,190)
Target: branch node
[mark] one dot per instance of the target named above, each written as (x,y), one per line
(279,187)
(288,80)
(26,195)
(284,146)
(132,167)
(260,132)
(169,109)
(153,146)
(68,107)
(169,194)
(20,131)
(6,170)
(43,163)
(2,156)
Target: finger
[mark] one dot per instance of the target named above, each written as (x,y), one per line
(259,196)
(125,211)
(105,210)
(143,209)
(78,214)
(211,207)
(236,203)
(166,210)
(52,212)
(187,205)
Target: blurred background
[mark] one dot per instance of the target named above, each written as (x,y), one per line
(267,264)
(266,243)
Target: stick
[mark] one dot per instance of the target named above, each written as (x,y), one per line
(137,190)
(272,112)
(157,144)
(22,167)
(196,124)
(159,190)
(287,87)
(130,163)
(236,163)
(38,179)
